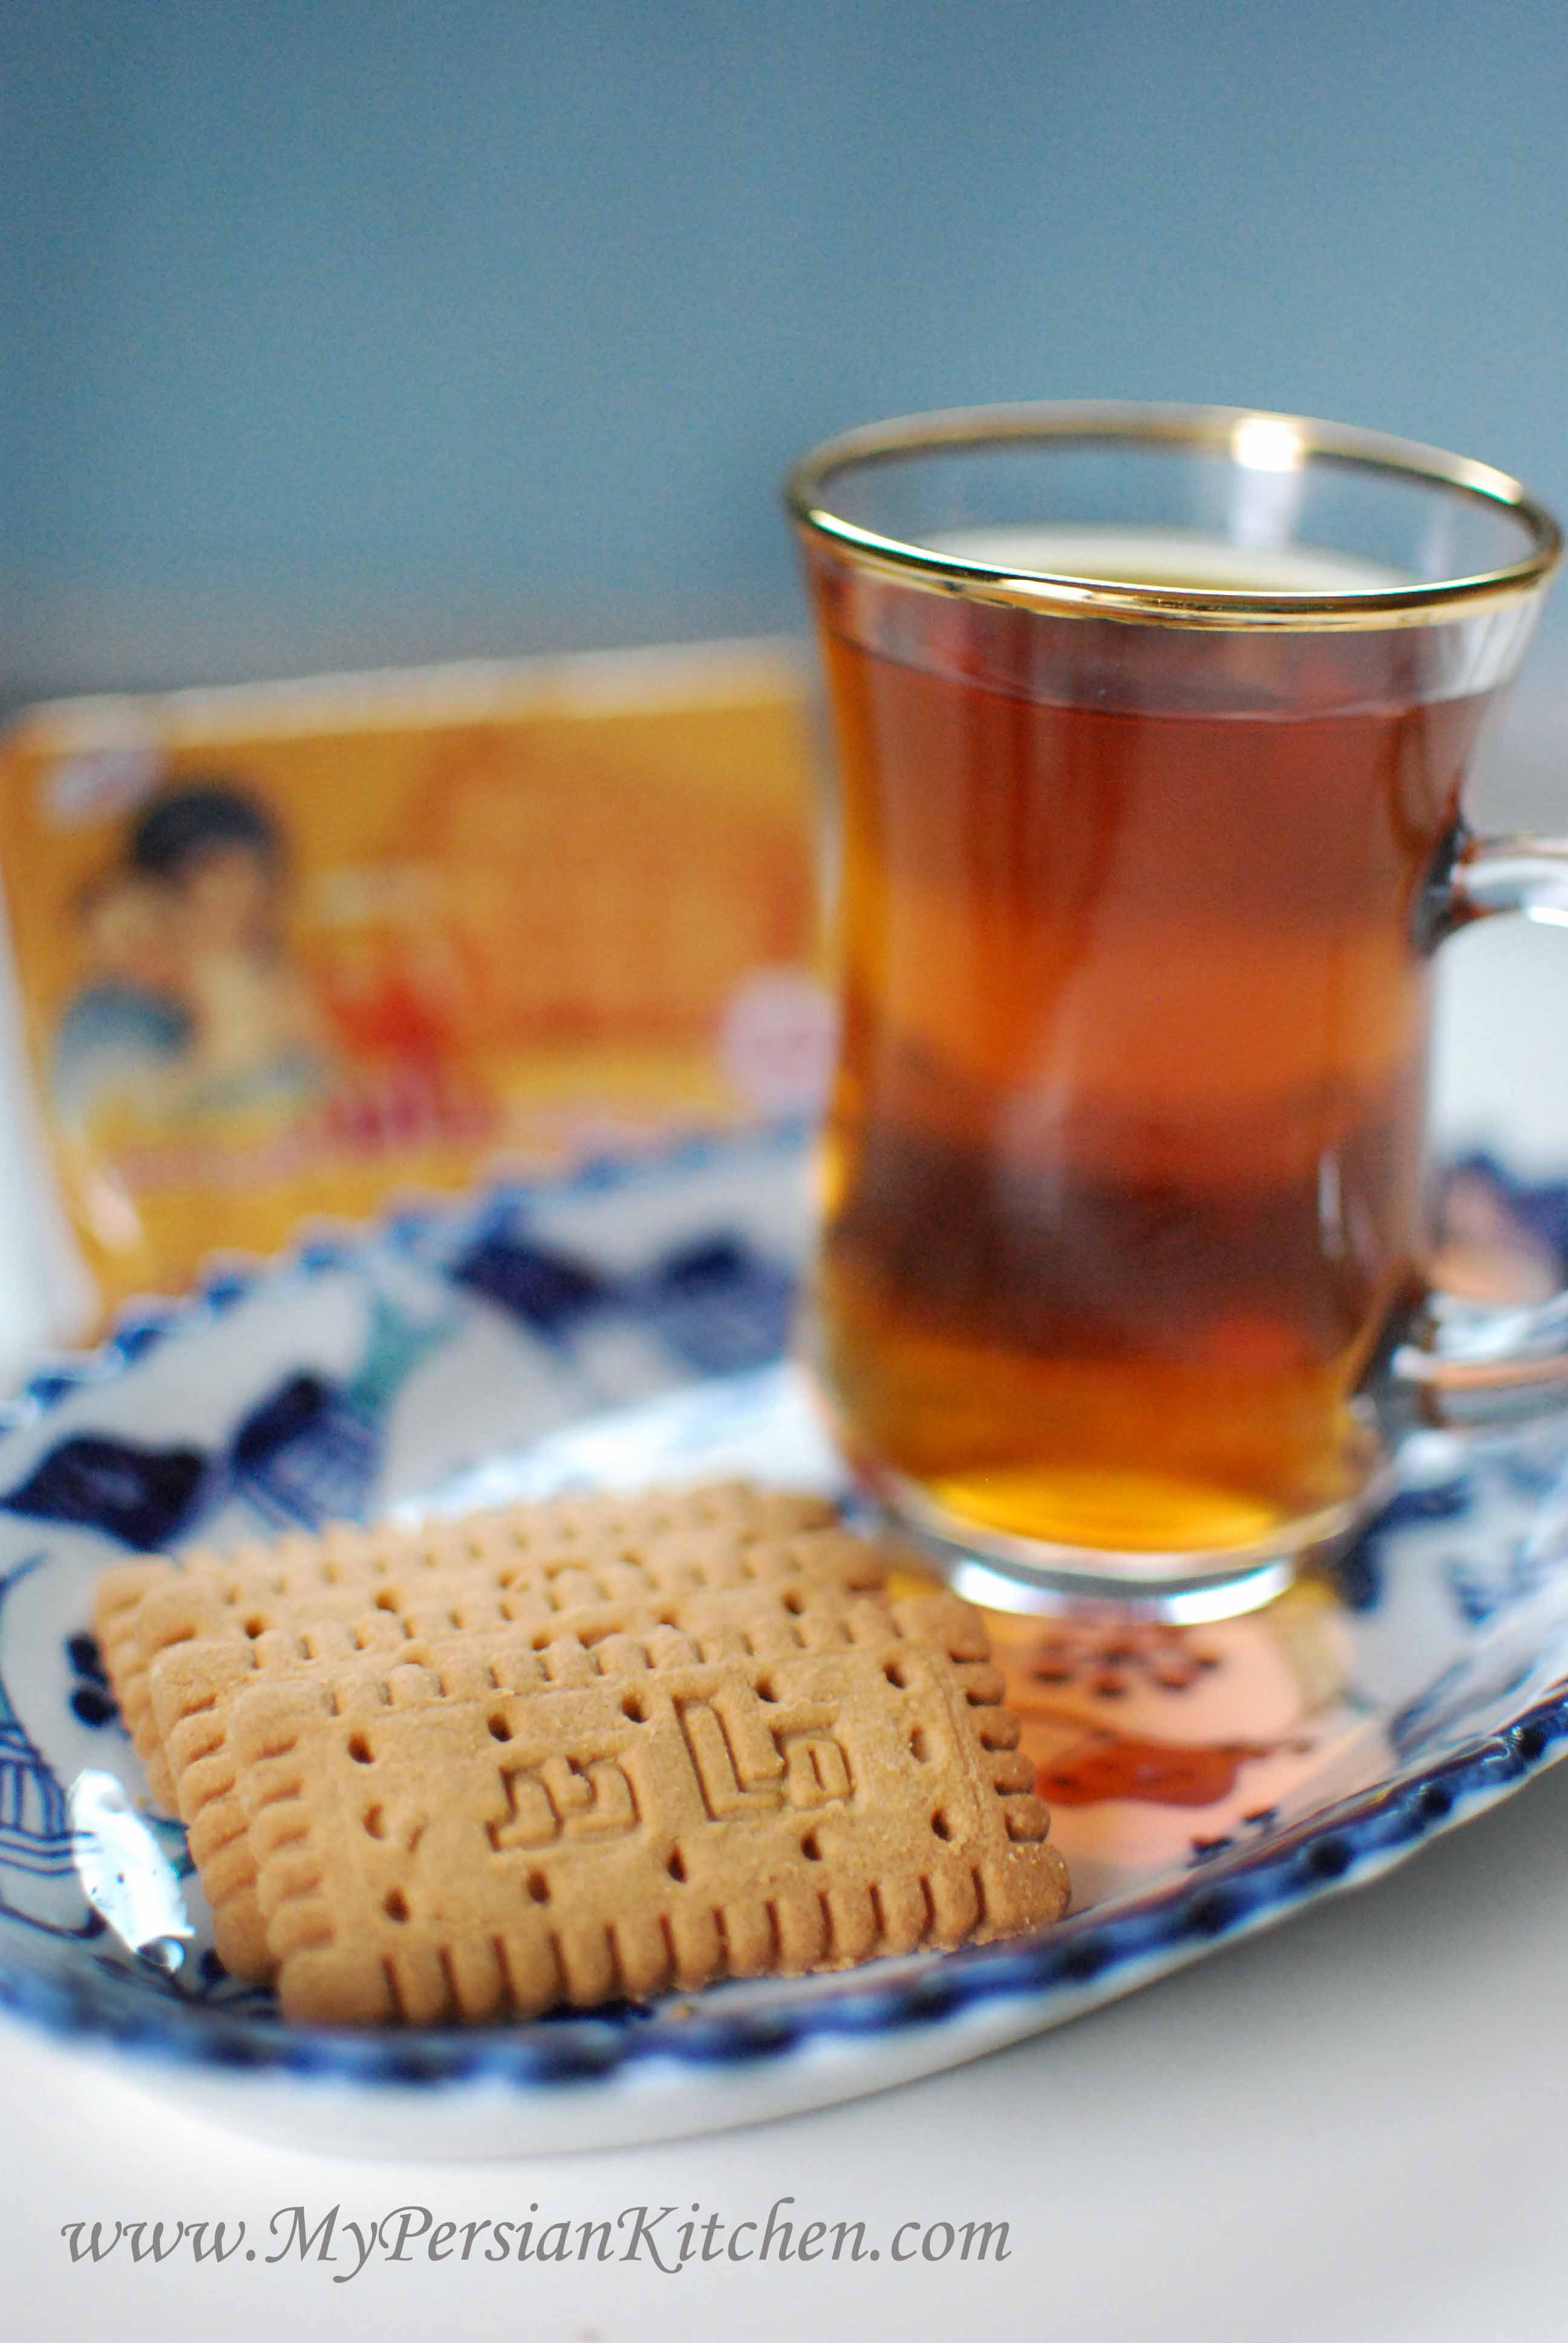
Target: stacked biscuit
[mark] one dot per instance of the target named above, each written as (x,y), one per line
(574,1751)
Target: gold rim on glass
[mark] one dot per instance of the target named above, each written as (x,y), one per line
(1247,435)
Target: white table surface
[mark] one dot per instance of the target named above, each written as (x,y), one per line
(1347,2130)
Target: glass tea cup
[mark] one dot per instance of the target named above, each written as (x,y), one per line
(1151,728)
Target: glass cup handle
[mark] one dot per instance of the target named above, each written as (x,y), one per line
(1482,1363)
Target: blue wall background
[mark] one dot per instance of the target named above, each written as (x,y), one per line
(346,330)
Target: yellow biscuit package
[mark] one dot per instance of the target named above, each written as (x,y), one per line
(283,949)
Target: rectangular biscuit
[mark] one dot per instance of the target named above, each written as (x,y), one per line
(533,1634)
(144,1607)
(812,1792)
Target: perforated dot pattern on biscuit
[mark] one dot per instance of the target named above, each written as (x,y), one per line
(462,1858)
(206,1633)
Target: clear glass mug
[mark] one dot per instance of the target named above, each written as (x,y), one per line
(1151,727)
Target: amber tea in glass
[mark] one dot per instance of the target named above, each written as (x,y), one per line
(1151,731)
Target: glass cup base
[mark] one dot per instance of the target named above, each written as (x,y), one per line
(1001,1572)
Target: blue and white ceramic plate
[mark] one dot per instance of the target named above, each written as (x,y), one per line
(628,1324)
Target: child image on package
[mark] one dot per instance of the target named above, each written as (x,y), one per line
(213,1076)
(191,1007)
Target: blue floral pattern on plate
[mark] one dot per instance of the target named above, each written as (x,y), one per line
(627,1323)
